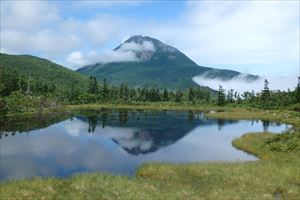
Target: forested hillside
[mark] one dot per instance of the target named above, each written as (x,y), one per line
(39,72)
(29,83)
(162,66)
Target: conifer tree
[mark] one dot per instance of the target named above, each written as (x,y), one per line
(230,96)
(178,96)
(166,95)
(191,95)
(221,96)
(298,91)
(266,94)
(105,90)
(93,87)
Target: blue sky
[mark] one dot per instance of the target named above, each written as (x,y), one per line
(259,37)
(156,10)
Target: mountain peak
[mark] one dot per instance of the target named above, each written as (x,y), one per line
(144,47)
(154,63)
(139,39)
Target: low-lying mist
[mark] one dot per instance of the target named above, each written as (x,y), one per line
(240,84)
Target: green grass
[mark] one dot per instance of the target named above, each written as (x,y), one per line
(148,106)
(213,111)
(282,116)
(221,112)
(36,68)
(275,175)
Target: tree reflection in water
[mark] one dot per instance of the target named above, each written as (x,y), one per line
(123,117)
(150,130)
(60,145)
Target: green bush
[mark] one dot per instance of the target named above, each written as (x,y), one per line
(3,107)
(286,142)
(19,102)
(295,107)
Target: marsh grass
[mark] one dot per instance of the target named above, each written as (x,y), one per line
(275,175)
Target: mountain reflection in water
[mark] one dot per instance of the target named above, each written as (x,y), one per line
(150,131)
(117,141)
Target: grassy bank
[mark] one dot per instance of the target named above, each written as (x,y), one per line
(75,109)
(283,116)
(148,106)
(212,111)
(221,112)
(25,121)
(276,175)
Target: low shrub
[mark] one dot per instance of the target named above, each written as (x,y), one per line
(286,142)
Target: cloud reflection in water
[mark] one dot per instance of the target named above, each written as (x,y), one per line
(85,144)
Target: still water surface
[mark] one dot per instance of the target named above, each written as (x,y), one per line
(118,141)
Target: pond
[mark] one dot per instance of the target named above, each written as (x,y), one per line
(118,141)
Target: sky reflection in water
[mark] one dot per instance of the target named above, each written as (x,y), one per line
(119,141)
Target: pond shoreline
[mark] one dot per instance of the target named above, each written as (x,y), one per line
(276,173)
(226,112)
(164,180)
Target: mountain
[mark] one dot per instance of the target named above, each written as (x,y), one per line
(143,132)
(154,63)
(39,69)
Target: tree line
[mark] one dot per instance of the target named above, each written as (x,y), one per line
(122,93)
(21,93)
(265,99)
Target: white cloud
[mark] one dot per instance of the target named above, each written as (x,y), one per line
(129,138)
(47,42)
(248,36)
(3,50)
(259,37)
(148,46)
(118,56)
(13,41)
(79,59)
(50,42)
(240,85)
(27,14)
(40,28)
(132,46)
(76,59)
(100,29)
(126,53)
(93,32)
(75,129)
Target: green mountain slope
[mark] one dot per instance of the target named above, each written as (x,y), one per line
(162,66)
(39,69)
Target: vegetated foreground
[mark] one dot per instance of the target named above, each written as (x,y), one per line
(276,175)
